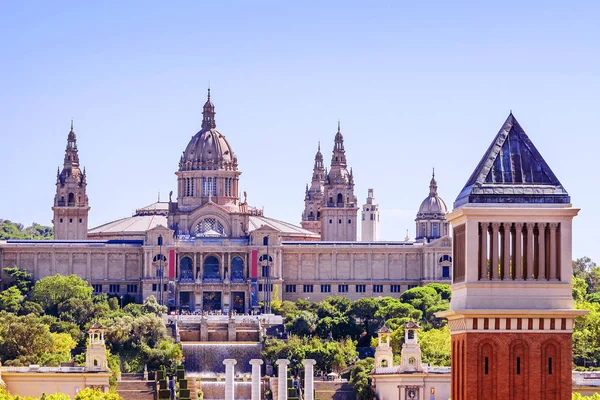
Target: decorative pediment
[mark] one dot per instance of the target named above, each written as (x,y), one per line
(444,241)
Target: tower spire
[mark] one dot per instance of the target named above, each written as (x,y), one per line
(433,185)
(208,114)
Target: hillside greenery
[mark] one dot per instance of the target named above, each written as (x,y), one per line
(46,322)
(12,230)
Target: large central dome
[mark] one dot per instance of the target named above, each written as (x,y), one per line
(208,149)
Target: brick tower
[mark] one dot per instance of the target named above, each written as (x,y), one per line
(511,314)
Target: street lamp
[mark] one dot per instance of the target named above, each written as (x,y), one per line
(121,297)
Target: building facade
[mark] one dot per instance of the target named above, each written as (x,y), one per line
(208,249)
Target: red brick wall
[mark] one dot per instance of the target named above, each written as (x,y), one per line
(504,350)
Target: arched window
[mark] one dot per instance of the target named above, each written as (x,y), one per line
(340,198)
(411,334)
(211,269)
(71,199)
(185,269)
(160,240)
(210,227)
(237,270)
(384,363)
(95,363)
(411,361)
(265,241)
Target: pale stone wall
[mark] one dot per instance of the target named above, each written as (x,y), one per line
(35,384)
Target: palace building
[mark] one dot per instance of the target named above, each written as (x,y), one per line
(208,249)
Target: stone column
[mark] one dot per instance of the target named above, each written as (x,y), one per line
(553,248)
(309,378)
(542,251)
(528,267)
(229,378)
(495,252)
(483,274)
(518,253)
(256,363)
(282,390)
(505,268)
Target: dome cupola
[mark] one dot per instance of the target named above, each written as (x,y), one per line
(208,149)
(431,218)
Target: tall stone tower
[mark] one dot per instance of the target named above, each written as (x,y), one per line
(511,314)
(431,218)
(370,219)
(71,206)
(339,210)
(313,199)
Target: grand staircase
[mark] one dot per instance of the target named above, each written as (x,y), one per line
(134,387)
(333,390)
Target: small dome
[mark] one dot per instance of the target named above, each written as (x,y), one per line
(433,204)
(208,149)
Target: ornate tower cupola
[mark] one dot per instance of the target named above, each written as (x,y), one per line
(410,359)
(370,219)
(208,114)
(511,315)
(431,221)
(339,209)
(384,356)
(95,358)
(314,196)
(71,202)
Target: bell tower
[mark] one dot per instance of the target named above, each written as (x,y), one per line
(370,219)
(511,316)
(339,210)
(71,206)
(313,198)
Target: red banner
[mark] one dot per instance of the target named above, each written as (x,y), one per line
(254,264)
(172,263)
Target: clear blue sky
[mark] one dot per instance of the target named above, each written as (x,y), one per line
(416,85)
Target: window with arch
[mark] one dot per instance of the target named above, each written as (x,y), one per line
(210,227)
(445,257)
(237,269)
(185,269)
(160,240)
(434,229)
(160,262)
(384,363)
(340,198)
(265,241)
(412,361)
(95,363)
(411,334)
(71,199)
(265,264)
(212,270)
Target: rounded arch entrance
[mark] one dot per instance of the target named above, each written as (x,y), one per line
(211,269)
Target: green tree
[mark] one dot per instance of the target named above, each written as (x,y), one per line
(11,299)
(301,323)
(360,380)
(96,394)
(22,279)
(365,309)
(580,288)
(23,339)
(436,346)
(53,291)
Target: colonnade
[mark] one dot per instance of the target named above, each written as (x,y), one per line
(519,251)
(282,390)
